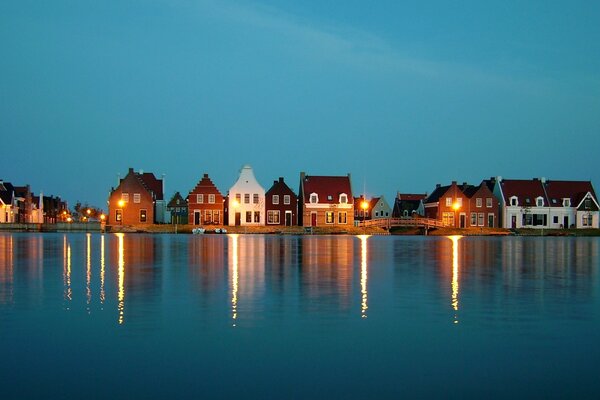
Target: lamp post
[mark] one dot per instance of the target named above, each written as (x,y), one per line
(365,206)
(456,207)
(121,205)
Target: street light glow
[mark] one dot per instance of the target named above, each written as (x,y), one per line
(121,203)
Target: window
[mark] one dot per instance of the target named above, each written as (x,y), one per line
(119,215)
(246,198)
(238,198)
(125,197)
(329,197)
(448,201)
(459,202)
(448,218)
(586,220)
(275,199)
(376,213)
(249,216)
(587,204)
(143,215)
(255,198)
(343,199)
(514,201)
(199,198)
(479,202)
(489,202)
(555,219)
(540,202)
(257,216)
(211,198)
(286,199)
(527,219)
(329,217)
(480,222)
(566,202)
(405,213)
(217,217)
(473,219)
(273,217)
(342,218)
(314,198)
(207,216)
(137,198)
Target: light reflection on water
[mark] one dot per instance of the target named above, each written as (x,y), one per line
(298,297)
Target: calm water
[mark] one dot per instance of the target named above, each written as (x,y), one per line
(171,316)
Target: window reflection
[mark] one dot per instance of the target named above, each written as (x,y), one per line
(121,275)
(233,265)
(102,270)
(455,286)
(68,294)
(88,271)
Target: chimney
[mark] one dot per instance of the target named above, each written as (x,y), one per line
(163,186)
(543,179)
(454,182)
(205,176)
(280,179)
(464,183)
(302,175)
(130,170)
(437,185)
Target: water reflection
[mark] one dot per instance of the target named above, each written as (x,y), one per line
(234,263)
(121,279)
(6,269)
(102,270)
(68,292)
(88,271)
(363,275)
(455,286)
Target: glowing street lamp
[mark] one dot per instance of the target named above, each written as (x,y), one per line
(365,206)
(121,204)
(455,207)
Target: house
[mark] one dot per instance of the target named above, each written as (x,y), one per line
(281,204)
(325,201)
(523,202)
(408,205)
(7,203)
(29,208)
(55,209)
(447,204)
(483,207)
(138,199)
(205,204)
(573,204)
(377,208)
(246,200)
(177,208)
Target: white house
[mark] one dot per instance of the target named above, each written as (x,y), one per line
(7,202)
(380,208)
(573,204)
(246,200)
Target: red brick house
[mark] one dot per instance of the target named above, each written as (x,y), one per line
(134,201)
(325,201)
(205,204)
(281,204)
(463,206)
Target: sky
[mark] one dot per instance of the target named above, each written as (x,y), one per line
(400,95)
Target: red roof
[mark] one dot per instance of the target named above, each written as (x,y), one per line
(410,196)
(526,191)
(573,190)
(328,188)
(152,184)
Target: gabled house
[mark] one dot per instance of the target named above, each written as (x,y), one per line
(55,209)
(136,200)
(246,200)
(177,208)
(408,205)
(205,204)
(7,203)
(377,208)
(523,202)
(483,207)
(448,204)
(281,204)
(573,204)
(325,201)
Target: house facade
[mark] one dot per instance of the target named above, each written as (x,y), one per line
(573,204)
(408,205)
(246,200)
(177,209)
(448,204)
(281,204)
(377,208)
(205,204)
(483,207)
(523,202)
(325,201)
(135,199)
(7,203)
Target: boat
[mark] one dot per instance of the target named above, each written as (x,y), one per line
(198,231)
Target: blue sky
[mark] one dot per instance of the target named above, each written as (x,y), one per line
(403,96)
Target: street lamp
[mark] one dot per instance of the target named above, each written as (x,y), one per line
(455,207)
(365,206)
(121,204)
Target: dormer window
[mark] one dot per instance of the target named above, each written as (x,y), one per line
(539,201)
(343,198)
(314,198)
(329,197)
(587,204)
(566,202)
(514,201)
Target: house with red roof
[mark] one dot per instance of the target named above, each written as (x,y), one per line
(524,203)
(325,201)
(408,204)
(138,199)
(281,204)
(205,204)
(573,204)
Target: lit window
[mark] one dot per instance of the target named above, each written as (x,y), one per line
(329,217)
(448,201)
(125,197)
(342,218)
(118,215)
(136,198)
(238,198)
(246,198)
(459,201)
(275,199)
(142,215)
(286,199)
(255,198)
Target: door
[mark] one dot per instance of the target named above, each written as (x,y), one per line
(463,220)
(238,219)
(197,217)
(288,218)
(491,220)
(513,222)
(313,219)
(566,221)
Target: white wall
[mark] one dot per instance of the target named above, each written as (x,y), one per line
(246,184)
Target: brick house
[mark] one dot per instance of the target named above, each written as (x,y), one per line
(483,207)
(134,200)
(281,204)
(177,208)
(325,201)
(448,204)
(205,204)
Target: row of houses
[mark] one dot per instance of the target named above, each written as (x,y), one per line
(18,204)
(329,201)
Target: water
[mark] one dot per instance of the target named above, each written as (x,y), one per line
(250,316)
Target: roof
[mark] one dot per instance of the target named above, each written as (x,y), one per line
(205,185)
(280,186)
(328,188)
(372,201)
(174,201)
(6,192)
(526,191)
(411,196)
(573,190)
(151,183)
(437,194)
